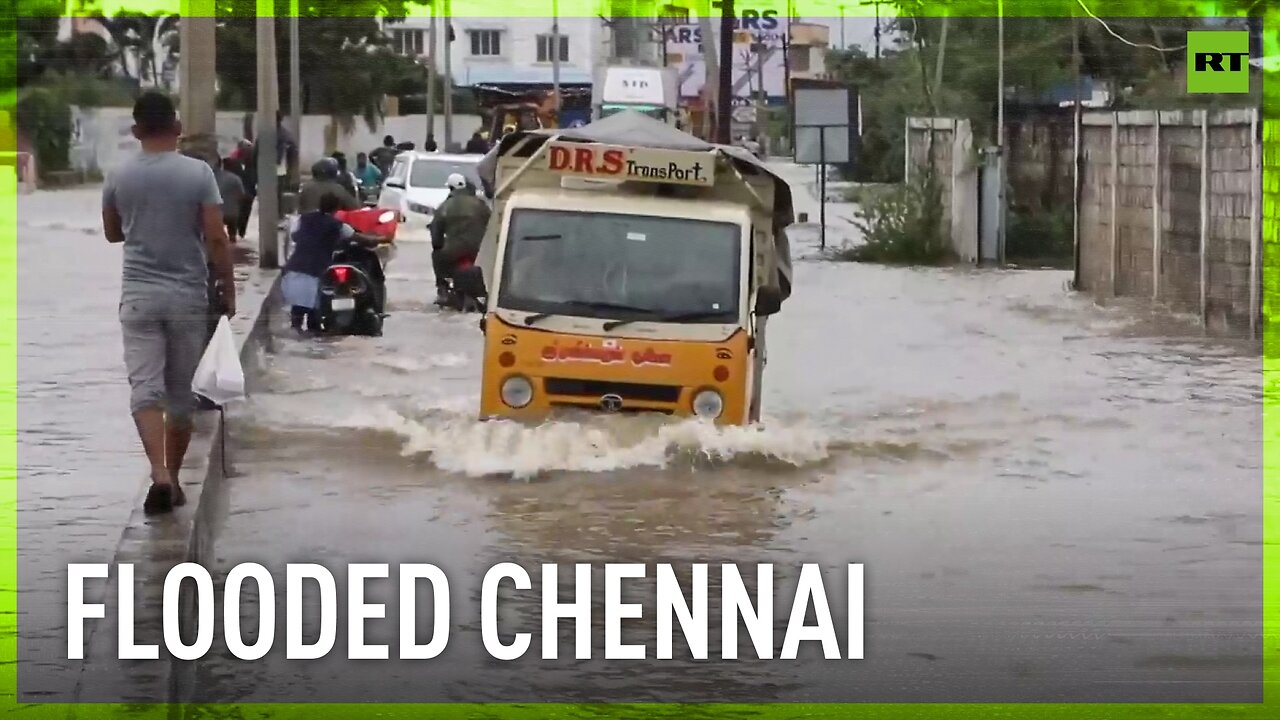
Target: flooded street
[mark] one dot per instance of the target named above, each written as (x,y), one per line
(1052,502)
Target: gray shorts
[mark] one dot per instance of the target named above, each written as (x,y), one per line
(164,339)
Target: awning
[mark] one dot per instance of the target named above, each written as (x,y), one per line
(481,74)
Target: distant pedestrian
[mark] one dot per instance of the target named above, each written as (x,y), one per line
(167,211)
(248,174)
(231,187)
(385,156)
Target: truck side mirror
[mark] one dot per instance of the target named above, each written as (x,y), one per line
(768,300)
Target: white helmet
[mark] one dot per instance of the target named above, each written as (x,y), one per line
(456,181)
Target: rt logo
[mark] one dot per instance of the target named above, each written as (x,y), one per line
(1219,61)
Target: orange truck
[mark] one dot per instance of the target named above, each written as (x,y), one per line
(630,279)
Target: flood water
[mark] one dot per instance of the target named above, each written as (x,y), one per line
(1053,501)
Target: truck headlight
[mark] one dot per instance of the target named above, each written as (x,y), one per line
(708,404)
(517,391)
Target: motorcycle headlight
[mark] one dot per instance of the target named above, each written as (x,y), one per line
(517,392)
(708,404)
(421,209)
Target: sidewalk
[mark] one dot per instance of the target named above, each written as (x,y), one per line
(81,480)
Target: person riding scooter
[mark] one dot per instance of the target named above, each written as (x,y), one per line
(318,235)
(324,180)
(456,232)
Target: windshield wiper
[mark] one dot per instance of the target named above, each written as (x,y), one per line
(602,306)
(675,318)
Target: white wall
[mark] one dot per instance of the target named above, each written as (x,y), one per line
(101,137)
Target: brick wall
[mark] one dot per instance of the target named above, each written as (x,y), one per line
(1142,178)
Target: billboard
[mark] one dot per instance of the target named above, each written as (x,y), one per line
(686,51)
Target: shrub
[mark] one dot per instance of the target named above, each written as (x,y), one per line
(1040,236)
(44,115)
(902,225)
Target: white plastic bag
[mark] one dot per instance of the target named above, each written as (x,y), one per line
(219,377)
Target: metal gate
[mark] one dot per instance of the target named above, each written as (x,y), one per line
(990,204)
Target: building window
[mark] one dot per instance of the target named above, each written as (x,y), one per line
(546,43)
(486,42)
(409,42)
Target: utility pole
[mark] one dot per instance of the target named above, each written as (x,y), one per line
(1001,213)
(843,45)
(268,106)
(1075,204)
(724,109)
(431,70)
(761,100)
(295,91)
(876,4)
(196,73)
(448,74)
(786,76)
(555,58)
(942,53)
(710,92)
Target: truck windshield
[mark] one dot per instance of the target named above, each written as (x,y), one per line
(625,267)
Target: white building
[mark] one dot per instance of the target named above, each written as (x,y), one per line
(506,50)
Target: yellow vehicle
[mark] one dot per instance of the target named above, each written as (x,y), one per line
(629,278)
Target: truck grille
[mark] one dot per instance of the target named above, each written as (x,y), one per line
(596,389)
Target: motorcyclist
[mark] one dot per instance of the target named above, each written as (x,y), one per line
(385,156)
(345,177)
(324,179)
(456,231)
(368,176)
(317,236)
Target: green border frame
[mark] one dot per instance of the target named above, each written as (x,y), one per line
(1269,708)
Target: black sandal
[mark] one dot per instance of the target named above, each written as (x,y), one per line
(159,499)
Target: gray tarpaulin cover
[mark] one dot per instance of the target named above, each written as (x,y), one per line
(635,129)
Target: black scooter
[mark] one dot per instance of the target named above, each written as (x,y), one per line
(353,293)
(465,291)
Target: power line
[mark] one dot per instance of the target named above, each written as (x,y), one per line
(1130,43)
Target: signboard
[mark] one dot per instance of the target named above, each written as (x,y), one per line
(614,162)
(640,86)
(686,51)
(827,123)
(744,114)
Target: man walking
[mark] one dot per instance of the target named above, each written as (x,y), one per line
(166,210)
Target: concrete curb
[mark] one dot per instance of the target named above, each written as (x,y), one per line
(154,545)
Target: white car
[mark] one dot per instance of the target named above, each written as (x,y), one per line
(415,187)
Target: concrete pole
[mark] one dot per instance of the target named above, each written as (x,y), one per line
(724,89)
(555,58)
(709,89)
(295,92)
(268,106)
(448,76)
(197,69)
(433,51)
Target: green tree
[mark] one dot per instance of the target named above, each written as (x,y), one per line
(347,64)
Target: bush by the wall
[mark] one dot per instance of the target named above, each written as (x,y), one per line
(1040,236)
(902,225)
(43,114)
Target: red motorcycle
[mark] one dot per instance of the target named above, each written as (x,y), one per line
(371,221)
(353,293)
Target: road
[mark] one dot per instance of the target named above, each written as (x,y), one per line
(1053,501)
